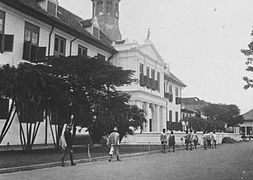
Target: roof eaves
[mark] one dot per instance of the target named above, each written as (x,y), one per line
(43,16)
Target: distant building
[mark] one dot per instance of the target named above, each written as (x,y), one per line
(246,127)
(192,106)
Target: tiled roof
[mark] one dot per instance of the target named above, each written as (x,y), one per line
(173,78)
(86,23)
(248,116)
(65,21)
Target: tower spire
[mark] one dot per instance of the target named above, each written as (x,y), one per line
(106,12)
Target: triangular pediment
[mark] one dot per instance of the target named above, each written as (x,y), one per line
(150,50)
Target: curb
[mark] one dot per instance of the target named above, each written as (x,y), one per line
(55,164)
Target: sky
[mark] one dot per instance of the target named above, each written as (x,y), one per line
(200,39)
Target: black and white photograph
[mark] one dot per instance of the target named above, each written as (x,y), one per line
(126,89)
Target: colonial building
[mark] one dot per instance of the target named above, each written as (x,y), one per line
(246,128)
(156,90)
(32,29)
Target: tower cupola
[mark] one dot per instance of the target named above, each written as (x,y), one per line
(106,12)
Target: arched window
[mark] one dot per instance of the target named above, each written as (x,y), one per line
(108,7)
(99,10)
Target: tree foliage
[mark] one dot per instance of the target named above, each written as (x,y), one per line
(249,63)
(200,124)
(59,88)
(229,114)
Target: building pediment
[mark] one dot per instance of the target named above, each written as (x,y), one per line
(149,49)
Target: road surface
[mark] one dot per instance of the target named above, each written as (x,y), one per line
(227,162)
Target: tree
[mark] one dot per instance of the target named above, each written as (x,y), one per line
(58,88)
(249,63)
(200,124)
(229,114)
(96,102)
(28,87)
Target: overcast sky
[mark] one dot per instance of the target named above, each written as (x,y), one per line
(200,39)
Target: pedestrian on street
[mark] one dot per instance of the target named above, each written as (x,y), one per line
(172,141)
(195,139)
(186,140)
(204,137)
(209,139)
(113,142)
(163,139)
(190,139)
(68,149)
(213,140)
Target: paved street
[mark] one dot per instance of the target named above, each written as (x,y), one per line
(229,161)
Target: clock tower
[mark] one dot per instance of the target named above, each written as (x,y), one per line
(106,12)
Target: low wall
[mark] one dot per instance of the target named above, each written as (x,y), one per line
(154,138)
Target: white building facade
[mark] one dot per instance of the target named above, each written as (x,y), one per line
(154,86)
(37,28)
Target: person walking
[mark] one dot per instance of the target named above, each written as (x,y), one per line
(209,139)
(113,142)
(204,137)
(172,141)
(68,149)
(213,140)
(186,140)
(163,139)
(195,139)
(190,140)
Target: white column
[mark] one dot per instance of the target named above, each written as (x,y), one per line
(147,111)
(163,117)
(158,119)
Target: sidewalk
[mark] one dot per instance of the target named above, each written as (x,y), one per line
(13,161)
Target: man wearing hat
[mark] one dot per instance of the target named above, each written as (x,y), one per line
(69,142)
(113,142)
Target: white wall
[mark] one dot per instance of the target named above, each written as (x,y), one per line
(15,24)
(154,138)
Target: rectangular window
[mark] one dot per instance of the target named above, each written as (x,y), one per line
(176,116)
(141,68)
(177,94)
(158,82)
(51,8)
(32,33)
(152,73)
(101,57)
(142,78)
(170,115)
(2,21)
(59,46)
(82,51)
(96,32)
(6,40)
(31,42)
(170,89)
(148,72)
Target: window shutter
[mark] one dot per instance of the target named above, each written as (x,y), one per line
(8,42)
(27,50)
(4,108)
(41,52)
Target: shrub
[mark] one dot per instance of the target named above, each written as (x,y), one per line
(228,140)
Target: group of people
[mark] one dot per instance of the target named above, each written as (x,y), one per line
(191,140)
(209,140)
(170,140)
(66,142)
